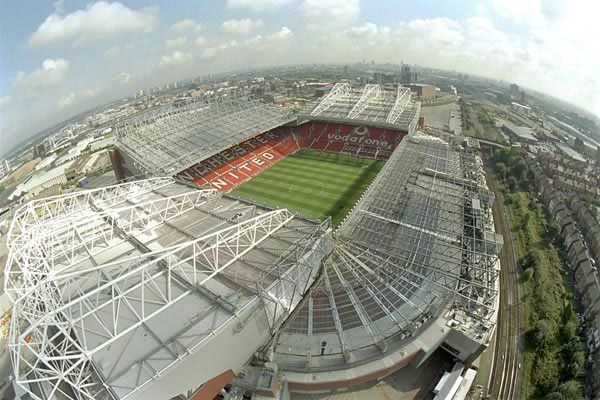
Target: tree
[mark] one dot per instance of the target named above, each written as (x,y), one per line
(512,182)
(569,330)
(570,390)
(545,373)
(501,169)
(519,168)
(525,221)
(542,333)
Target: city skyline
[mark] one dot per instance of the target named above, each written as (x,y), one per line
(64,58)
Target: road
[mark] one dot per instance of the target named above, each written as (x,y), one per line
(507,376)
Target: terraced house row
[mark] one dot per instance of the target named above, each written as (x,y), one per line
(580,232)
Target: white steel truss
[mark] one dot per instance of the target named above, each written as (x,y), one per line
(338,90)
(370,105)
(369,94)
(402,99)
(89,220)
(419,242)
(72,304)
(172,141)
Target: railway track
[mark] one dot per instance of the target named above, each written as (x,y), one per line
(506,376)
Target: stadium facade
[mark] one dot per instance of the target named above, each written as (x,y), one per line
(152,288)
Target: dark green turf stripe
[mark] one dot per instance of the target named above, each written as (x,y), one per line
(293,177)
(316,192)
(316,165)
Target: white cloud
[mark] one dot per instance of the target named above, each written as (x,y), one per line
(257,5)
(5,101)
(121,78)
(99,20)
(557,59)
(201,41)
(112,52)
(240,26)
(187,24)
(66,101)
(282,36)
(329,14)
(52,73)
(519,11)
(175,58)
(177,42)
(212,52)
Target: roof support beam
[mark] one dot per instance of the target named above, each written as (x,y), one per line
(336,318)
(376,335)
(402,99)
(142,287)
(339,90)
(369,94)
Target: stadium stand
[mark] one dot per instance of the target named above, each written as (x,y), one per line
(228,169)
(360,141)
(231,167)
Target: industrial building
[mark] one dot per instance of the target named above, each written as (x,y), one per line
(423,91)
(519,133)
(520,108)
(164,287)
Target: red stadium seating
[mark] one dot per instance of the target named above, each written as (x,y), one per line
(352,140)
(226,170)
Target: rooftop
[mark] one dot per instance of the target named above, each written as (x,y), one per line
(136,278)
(170,142)
(523,132)
(420,241)
(370,105)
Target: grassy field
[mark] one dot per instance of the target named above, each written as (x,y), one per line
(313,183)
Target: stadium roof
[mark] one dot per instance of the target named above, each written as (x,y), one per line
(116,287)
(419,241)
(171,142)
(372,105)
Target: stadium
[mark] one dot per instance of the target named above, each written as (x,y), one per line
(263,251)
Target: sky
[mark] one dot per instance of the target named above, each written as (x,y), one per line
(60,58)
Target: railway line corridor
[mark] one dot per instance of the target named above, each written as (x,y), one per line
(506,374)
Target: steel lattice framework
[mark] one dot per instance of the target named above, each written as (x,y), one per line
(372,105)
(172,140)
(94,275)
(420,240)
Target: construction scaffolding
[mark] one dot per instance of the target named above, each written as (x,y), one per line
(114,288)
(419,242)
(372,105)
(171,141)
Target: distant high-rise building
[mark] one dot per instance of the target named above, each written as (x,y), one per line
(514,91)
(384,77)
(522,97)
(372,62)
(407,76)
(579,145)
(346,69)
(40,150)
(4,168)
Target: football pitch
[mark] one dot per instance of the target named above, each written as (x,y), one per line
(313,183)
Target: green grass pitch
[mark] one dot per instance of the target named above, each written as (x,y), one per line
(313,183)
